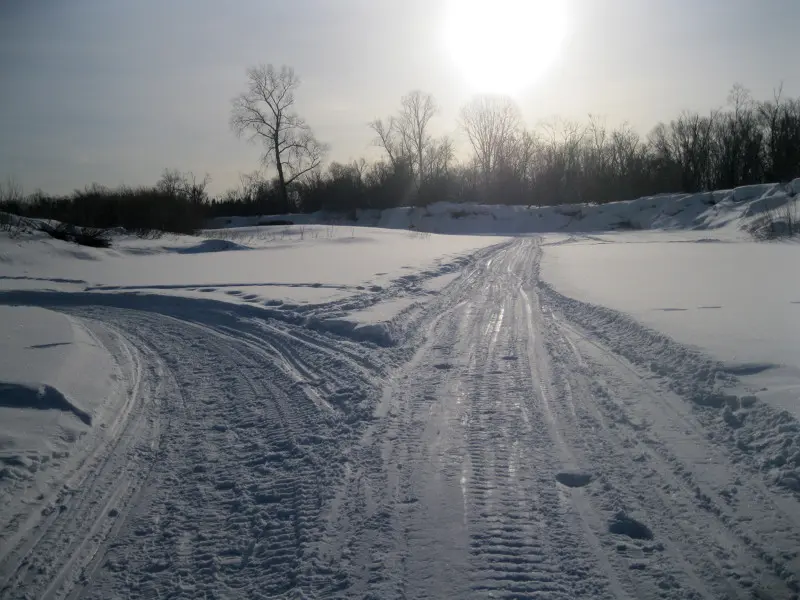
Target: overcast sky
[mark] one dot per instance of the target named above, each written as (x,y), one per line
(114,91)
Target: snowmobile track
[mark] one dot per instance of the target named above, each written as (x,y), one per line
(508,448)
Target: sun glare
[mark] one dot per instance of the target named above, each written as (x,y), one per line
(503,46)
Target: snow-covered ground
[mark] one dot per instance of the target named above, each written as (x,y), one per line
(326,276)
(738,301)
(56,382)
(708,210)
(342,411)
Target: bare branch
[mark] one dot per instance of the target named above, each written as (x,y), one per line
(265,113)
(492,124)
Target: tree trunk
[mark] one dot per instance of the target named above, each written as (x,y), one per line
(281,179)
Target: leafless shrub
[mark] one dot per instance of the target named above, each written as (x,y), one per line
(782,222)
(84,236)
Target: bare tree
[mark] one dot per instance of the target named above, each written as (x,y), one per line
(389,139)
(10,191)
(439,155)
(417,111)
(184,185)
(492,124)
(265,113)
(406,137)
(780,123)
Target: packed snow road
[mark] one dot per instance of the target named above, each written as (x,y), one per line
(517,444)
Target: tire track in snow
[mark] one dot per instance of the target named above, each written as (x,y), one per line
(530,537)
(249,458)
(457,492)
(49,557)
(472,508)
(274,480)
(733,546)
(264,482)
(658,442)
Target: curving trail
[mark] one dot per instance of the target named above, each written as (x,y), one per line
(504,451)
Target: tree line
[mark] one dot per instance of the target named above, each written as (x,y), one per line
(746,141)
(559,162)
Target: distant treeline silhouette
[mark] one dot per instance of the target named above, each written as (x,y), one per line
(559,162)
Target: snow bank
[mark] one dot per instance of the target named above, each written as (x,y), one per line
(706,210)
(58,384)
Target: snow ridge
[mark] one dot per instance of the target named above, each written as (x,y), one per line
(749,426)
(734,209)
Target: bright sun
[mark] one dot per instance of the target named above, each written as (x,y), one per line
(502,46)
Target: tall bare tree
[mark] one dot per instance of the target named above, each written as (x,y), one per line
(406,137)
(265,113)
(417,110)
(492,124)
(389,138)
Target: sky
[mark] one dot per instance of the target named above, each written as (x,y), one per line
(115,91)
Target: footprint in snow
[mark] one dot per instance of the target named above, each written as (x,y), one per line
(622,524)
(574,479)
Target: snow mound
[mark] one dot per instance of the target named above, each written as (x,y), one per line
(380,333)
(749,192)
(212,246)
(39,397)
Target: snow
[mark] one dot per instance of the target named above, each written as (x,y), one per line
(561,402)
(737,301)
(58,385)
(292,270)
(731,209)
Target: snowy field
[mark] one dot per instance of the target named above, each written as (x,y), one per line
(737,300)
(326,276)
(601,404)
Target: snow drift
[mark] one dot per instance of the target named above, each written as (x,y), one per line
(705,210)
